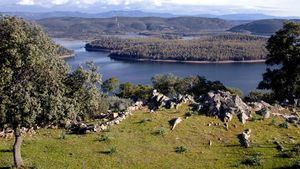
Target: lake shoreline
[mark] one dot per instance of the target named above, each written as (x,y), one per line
(183,61)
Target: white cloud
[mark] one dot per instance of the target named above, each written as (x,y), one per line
(285,7)
(26,2)
(59,2)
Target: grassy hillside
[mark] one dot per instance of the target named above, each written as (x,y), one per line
(138,146)
(261,27)
(93,27)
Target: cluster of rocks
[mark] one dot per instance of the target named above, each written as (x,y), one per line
(107,120)
(159,100)
(224,105)
(8,133)
(292,118)
(264,109)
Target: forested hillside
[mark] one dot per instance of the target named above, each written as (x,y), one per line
(216,48)
(261,27)
(94,27)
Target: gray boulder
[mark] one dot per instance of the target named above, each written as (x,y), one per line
(225,105)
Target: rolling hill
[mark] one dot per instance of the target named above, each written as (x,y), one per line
(261,27)
(93,27)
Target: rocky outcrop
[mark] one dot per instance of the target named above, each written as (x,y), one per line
(264,109)
(159,100)
(224,105)
(293,118)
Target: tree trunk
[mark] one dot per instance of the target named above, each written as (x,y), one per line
(17,149)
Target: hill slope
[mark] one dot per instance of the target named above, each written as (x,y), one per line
(261,27)
(138,146)
(93,27)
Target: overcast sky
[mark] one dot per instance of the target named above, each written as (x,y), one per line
(272,7)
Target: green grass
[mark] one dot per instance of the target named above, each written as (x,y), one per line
(134,145)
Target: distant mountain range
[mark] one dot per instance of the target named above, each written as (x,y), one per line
(137,13)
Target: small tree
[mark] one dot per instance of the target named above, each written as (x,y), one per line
(284,51)
(111,85)
(31,79)
(84,87)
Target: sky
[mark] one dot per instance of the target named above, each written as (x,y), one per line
(216,7)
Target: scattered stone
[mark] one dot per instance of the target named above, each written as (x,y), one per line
(175,122)
(279,147)
(244,138)
(210,143)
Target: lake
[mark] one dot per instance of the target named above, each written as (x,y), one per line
(245,76)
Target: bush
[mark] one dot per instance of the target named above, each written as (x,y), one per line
(254,160)
(180,149)
(172,85)
(284,125)
(294,152)
(135,92)
(236,91)
(161,131)
(117,104)
(260,95)
(112,150)
(104,138)
(63,135)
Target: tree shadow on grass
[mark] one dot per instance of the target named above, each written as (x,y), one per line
(5,167)
(5,151)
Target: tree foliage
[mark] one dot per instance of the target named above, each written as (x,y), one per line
(111,85)
(36,88)
(135,92)
(172,85)
(31,75)
(284,52)
(84,88)
(213,48)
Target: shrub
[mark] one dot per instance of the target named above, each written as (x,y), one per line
(284,125)
(294,152)
(273,121)
(145,120)
(112,150)
(63,135)
(188,114)
(172,85)
(104,138)
(117,104)
(254,160)
(236,91)
(161,131)
(260,95)
(135,92)
(180,149)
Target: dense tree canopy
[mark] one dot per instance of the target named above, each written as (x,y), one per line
(31,78)
(172,85)
(36,88)
(235,47)
(284,52)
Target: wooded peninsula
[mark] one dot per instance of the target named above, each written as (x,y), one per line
(218,48)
